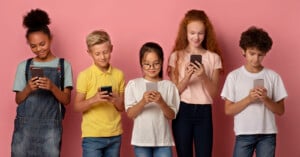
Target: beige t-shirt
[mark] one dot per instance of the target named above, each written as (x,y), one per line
(195,93)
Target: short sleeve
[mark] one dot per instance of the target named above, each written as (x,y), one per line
(228,89)
(20,80)
(68,82)
(130,99)
(279,91)
(172,59)
(81,84)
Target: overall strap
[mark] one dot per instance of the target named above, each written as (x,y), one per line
(62,73)
(28,62)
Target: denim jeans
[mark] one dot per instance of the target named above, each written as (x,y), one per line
(101,146)
(165,151)
(263,144)
(193,126)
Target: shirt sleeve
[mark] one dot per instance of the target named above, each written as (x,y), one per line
(279,90)
(172,59)
(68,82)
(228,89)
(81,85)
(129,99)
(20,80)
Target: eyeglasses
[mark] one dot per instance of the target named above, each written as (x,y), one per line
(154,65)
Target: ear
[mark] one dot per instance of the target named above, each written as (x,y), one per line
(243,53)
(111,48)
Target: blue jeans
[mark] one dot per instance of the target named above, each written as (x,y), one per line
(165,151)
(263,144)
(193,126)
(101,146)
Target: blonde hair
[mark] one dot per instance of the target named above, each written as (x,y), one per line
(97,37)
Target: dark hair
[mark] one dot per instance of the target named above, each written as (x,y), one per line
(255,37)
(156,48)
(35,21)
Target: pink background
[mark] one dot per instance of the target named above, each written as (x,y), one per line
(130,24)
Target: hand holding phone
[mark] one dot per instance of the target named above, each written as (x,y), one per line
(108,89)
(195,58)
(258,83)
(37,72)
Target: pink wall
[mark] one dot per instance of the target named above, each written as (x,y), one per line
(130,24)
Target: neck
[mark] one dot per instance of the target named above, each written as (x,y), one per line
(254,69)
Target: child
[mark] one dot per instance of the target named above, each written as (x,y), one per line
(254,103)
(197,83)
(40,98)
(101,123)
(151,102)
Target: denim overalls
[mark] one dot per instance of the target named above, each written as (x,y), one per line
(38,124)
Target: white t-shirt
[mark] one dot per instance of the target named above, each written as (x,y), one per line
(195,92)
(256,118)
(151,128)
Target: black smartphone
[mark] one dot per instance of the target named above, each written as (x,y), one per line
(195,58)
(37,72)
(108,89)
(258,83)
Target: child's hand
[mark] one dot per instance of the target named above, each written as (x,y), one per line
(199,70)
(262,93)
(156,97)
(33,83)
(188,71)
(148,96)
(103,96)
(253,95)
(44,83)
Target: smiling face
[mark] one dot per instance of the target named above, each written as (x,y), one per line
(39,43)
(101,54)
(151,65)
(195,33)
(254,58)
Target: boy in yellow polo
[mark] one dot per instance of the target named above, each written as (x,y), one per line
(100,97)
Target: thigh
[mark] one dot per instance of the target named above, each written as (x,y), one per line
(93,147)
(266,146)
(203,131)
(244,146)
(143,151)
(162,151)
(183,131)
(113,147)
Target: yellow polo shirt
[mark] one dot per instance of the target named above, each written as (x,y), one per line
(102,120)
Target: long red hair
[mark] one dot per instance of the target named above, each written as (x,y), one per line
(181,42)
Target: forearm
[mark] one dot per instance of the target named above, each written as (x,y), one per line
(168,112)
(84,105)
(22,95)
(235,108)
(136,109)
(277,108)
(210,85)
(62,96)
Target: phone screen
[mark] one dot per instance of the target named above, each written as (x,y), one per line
(258,83)
(195,58)
(37,72)
(108,89)
(151,86)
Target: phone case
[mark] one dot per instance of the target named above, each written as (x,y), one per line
(106,88)
(37,72)
(195,58)
(151,86)
(258,83)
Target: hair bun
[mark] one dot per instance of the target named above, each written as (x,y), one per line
(36,18)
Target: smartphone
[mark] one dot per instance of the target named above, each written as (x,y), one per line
(108,89)
(37,72)
(195,58)
(151,86)
(258,83)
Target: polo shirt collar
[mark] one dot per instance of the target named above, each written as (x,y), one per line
(100,72)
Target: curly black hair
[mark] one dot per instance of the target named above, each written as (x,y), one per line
(255,37)
(36,20)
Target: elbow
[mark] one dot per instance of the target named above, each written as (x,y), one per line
(280,113)
(228,112)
